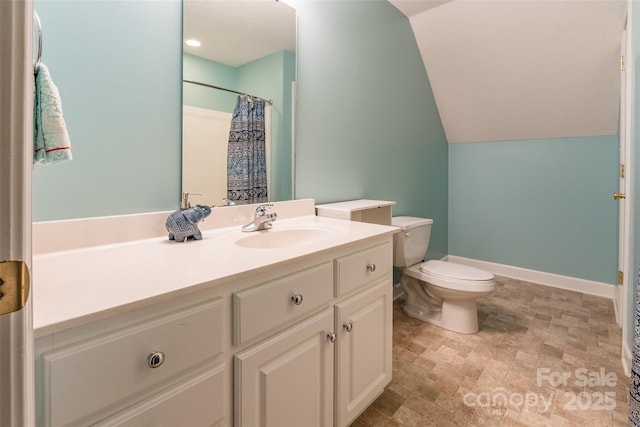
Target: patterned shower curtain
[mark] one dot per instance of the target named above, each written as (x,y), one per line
(634,398)
(246,158)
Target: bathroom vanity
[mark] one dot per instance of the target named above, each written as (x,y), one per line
(290,328)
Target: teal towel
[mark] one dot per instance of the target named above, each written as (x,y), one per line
(50,136)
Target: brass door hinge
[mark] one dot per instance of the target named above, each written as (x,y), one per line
(622,64)
(14,286)
(620,277)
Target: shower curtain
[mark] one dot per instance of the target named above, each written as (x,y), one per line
(634,398)
(246,158)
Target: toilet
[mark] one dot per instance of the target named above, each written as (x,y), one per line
(439,292)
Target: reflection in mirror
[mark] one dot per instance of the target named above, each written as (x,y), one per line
(246,47)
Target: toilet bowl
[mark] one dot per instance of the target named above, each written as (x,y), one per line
(439,292)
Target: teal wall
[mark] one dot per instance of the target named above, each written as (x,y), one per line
(269,77)
(543,205)
(117,66)
(210,72)
(367,123)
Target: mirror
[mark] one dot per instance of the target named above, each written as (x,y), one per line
(246,47)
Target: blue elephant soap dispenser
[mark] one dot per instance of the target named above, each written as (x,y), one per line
(183,223)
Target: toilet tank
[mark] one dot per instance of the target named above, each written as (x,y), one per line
(411,243)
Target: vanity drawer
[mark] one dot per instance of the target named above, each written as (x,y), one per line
(260,309)
(195,402)
(355,270)
(112,369)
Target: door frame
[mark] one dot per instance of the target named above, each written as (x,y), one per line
(17,401)
(624,292)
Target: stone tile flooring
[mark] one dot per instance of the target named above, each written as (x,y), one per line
(543,357)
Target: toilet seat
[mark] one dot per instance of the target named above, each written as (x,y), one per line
(453,276)
(451,270)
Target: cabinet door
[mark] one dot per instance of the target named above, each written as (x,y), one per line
(364,346)
(287,380)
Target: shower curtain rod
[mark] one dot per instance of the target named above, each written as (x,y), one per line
(268,101)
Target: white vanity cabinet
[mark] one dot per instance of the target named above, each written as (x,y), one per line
(305,342)
(326,369)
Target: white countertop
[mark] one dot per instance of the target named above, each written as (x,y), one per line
(76,286)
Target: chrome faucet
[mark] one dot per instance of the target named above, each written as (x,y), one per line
(261,219)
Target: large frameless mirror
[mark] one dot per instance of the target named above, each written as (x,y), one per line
(241,47)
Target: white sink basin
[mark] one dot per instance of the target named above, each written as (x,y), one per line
(284,237)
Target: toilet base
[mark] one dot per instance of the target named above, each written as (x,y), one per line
(457,315)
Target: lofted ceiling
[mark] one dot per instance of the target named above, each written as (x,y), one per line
(520,69)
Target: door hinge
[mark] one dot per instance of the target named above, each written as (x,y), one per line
(622,64)
(621,171)
(620,277)
(14,286)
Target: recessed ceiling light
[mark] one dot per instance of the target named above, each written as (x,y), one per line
(192,42)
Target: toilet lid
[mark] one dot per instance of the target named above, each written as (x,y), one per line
(452,270)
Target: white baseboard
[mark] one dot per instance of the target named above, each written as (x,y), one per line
(549,279)
(626,359)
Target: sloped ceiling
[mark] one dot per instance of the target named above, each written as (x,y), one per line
(520,69)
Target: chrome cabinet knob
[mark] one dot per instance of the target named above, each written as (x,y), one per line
(296,299)
(348,326)
(371,267)
(331,336)
(155,359)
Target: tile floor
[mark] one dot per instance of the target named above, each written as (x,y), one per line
(543,357)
